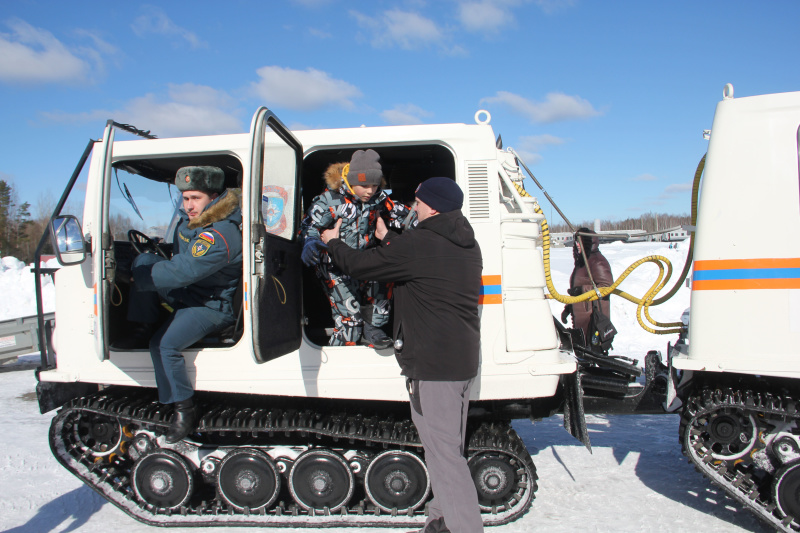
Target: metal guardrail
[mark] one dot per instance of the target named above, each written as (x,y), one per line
(20,336)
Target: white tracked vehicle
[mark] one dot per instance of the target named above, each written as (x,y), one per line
(296,433)
(291,431)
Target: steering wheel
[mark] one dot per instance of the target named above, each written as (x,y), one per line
(142,243)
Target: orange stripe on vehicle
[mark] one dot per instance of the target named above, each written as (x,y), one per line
(725,264)
(490,280)
(484,299)
(744,284)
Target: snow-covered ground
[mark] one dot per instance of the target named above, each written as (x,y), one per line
(635,480)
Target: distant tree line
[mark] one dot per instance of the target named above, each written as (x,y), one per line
(648,222)
(20,231)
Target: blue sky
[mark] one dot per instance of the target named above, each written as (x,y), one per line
(606,101)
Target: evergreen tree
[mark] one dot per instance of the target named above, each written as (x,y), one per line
(15,221)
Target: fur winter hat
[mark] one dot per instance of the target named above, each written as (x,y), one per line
(441,194)
(206,179)
(365,168)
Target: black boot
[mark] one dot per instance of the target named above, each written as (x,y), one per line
(375,337)
(138,337)
(183,419)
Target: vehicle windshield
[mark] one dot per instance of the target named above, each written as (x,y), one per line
(142,204)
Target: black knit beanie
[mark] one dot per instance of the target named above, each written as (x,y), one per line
(441,194)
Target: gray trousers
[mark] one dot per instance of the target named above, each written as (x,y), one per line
(439,411)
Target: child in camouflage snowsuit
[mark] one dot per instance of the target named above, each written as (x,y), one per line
(353,194)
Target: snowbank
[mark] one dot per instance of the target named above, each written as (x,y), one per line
(18,289)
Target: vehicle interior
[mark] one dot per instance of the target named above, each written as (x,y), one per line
(404,167)
(143,199)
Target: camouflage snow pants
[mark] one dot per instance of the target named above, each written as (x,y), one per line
(352,303)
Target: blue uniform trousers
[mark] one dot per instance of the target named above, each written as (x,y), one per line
(184,327)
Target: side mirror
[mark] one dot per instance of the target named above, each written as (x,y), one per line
(67,238)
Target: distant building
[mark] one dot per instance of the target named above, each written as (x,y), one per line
(676,234)
(561,239)
(566,239)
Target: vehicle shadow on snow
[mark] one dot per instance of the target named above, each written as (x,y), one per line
(661,466)
(74,509)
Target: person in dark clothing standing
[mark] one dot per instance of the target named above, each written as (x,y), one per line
(198,283)
(437,270)
(579,281)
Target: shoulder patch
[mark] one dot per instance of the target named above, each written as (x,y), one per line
(200,247)
(207,236)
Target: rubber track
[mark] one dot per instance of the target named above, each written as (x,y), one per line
(132,407)
(736,481)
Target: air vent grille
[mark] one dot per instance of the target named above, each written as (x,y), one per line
(478,183)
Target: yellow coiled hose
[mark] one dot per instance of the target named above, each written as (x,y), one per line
(643,303)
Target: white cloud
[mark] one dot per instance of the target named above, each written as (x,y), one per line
(644,177)
(486,15)
(320,34)
(676,189)
(189,110)
(529,146)
(528,157)
(157,22)
(405,114)
(555,108)
(34,55)
(539,142)
(303,90)
(493,16)
(408,30)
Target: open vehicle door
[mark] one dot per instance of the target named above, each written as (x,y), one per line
(274,217)
(103,262)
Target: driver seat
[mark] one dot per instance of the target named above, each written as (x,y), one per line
(231,334)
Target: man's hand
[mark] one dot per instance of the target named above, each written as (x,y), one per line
(380,229)
(333,233)
(565,313)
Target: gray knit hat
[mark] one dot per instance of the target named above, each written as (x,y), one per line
(206,179)
(365,168)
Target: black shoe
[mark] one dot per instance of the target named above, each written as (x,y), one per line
(139,337)
(375,337)
(183,419)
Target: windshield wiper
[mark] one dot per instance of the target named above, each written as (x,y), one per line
(127,195)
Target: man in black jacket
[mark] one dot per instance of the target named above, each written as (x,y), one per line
(436,269)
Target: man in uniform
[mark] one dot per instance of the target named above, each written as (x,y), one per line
(437,270)
(198,283)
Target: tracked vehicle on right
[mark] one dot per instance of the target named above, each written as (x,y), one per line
(736,376)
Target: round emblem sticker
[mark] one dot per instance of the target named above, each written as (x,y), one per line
(274,200)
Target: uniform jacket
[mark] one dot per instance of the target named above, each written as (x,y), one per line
(358,218)
(580,283)
(206,265)
(437,273)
